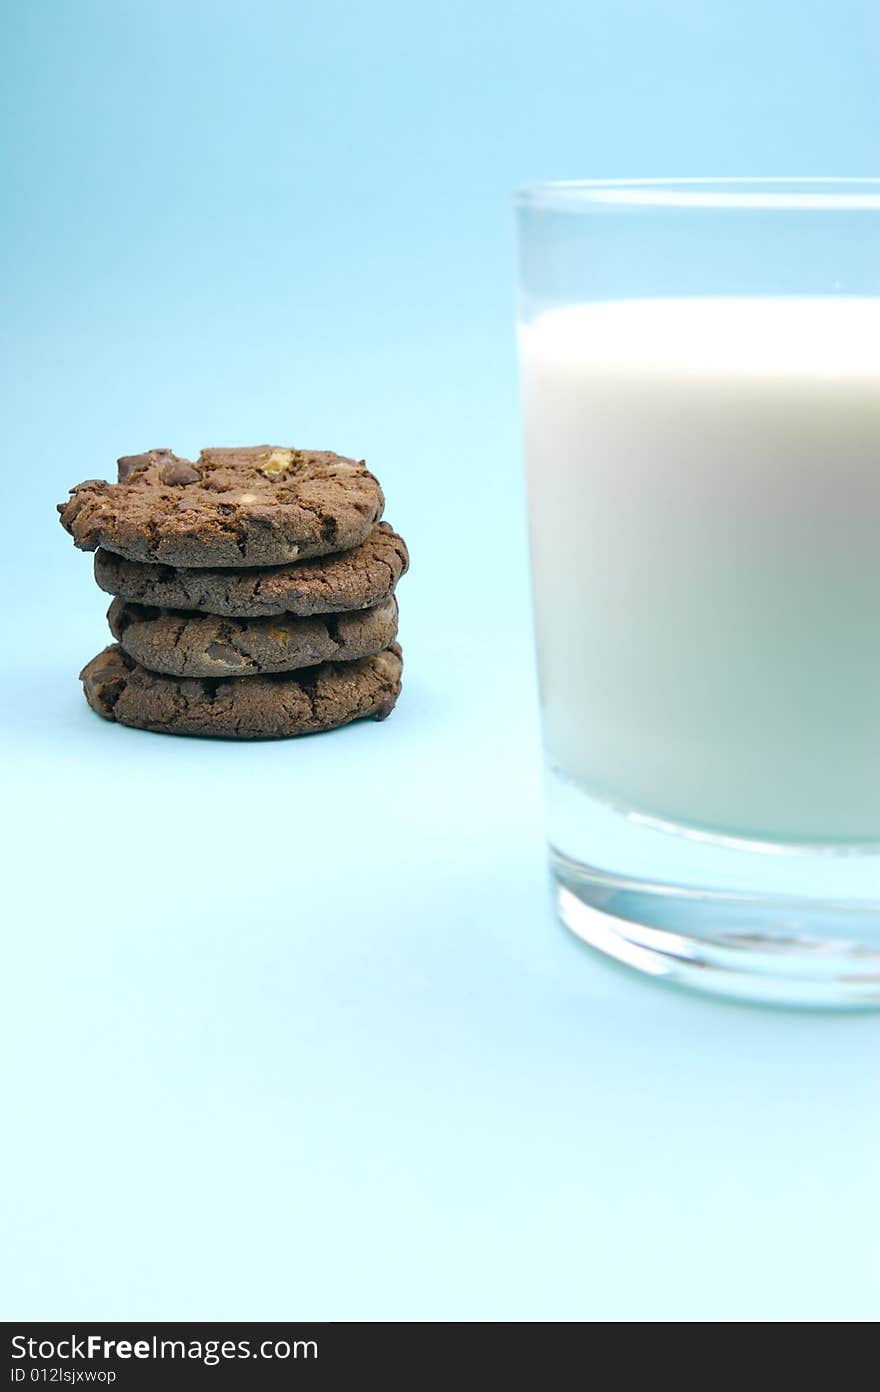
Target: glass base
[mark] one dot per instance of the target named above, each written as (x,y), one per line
(779,925)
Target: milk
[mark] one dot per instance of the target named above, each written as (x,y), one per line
(704,493)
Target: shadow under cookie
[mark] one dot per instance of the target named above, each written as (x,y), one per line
(206,645)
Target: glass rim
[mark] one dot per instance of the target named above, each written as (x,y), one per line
(785,193)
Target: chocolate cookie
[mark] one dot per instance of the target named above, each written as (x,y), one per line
(268,707)
(201,645)
(356,579)
(256,506)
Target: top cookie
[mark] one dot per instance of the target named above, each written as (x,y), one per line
(260,505)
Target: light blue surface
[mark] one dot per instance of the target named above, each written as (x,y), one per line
(289,1030)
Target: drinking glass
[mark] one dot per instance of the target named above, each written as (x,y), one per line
(700,364)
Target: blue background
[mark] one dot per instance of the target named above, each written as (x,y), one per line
(290,1030)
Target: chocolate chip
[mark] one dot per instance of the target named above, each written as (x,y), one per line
(222,652)
(129,462)
(179,472)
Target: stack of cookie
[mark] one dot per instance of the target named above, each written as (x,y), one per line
(253,592)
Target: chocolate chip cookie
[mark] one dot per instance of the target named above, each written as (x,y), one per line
(355,579)
(254,506)
(264,707)
(202,645)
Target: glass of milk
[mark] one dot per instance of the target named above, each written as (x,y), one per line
(700,368)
